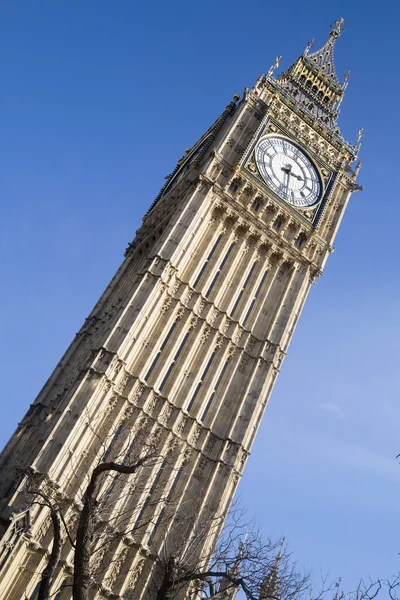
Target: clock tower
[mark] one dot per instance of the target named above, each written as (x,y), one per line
(184,346)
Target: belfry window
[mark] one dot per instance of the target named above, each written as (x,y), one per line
(221,266)
(201,381)
(299,241)
(256,205)
(246,281)
(203,268)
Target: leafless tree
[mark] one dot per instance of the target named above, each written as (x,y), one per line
(242,561)
(116,462)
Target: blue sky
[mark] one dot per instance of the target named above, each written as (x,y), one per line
(98,101)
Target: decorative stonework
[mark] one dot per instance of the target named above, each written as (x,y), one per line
(171,362)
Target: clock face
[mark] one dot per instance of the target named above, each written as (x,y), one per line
(288,171)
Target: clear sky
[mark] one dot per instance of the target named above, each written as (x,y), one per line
(98,101)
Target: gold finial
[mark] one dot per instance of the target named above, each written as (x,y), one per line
(274,66)
(309,46)
(337,29)
(360,134)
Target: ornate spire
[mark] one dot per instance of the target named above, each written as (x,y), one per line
(324,58)
(269,589)
(226,590)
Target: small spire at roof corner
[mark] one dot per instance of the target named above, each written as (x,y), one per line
(309,46)
(337,29)
(274,66)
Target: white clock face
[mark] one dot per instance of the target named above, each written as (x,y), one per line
(288,171)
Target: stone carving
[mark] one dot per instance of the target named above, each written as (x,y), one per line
(187,454)
(243,363)
(107,385)
(231,351)
(193,322)
(172,443)
(128,412)
(122,383)
(151,405)
(165,305)
(118,366)
(166,414)
(225,326)
(187,297)
(195,434)
(181,425)
(213,316)
(179,313)
(136,571)
(137,392)
(237,336)
(219,341)
(174,287)
(251,344)
(111,578)
(201,306)
(205,334)
(209,447)
(169,271)
(112,404)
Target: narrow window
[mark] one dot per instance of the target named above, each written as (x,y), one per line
(35,592)
(211,398)
(239,297)
(203,268)
(221,266)
(170,494)
(172,365)
(111,444)
(233,187)
(256,205)
(148,497)
(63,585)
(201,381)
(153,364)
(108,492)
(255,298)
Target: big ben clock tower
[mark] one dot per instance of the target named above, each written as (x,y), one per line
(185,344)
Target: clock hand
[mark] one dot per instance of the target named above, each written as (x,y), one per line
(287,183)
(297,177)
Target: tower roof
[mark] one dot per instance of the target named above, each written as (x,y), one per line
(324,58)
